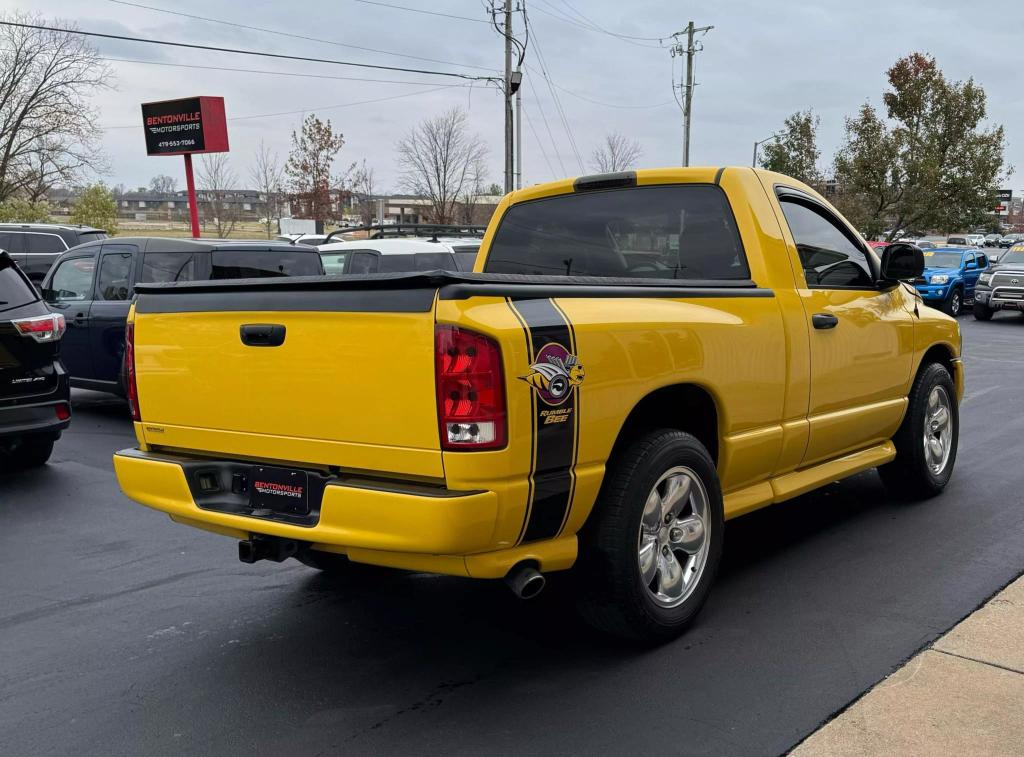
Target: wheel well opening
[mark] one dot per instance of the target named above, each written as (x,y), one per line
(685,407)
(938,353)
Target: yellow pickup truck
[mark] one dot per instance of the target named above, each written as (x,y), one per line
(635,359)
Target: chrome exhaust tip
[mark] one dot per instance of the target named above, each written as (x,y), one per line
(525,581)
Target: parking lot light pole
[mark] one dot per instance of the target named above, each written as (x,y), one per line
(758,144)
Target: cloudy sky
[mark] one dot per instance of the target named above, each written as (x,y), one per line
(762,61)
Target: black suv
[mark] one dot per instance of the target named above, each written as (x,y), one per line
(34,396)
(93,285)
(35,246)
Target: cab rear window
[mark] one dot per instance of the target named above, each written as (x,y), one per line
(663,232)
(262,264)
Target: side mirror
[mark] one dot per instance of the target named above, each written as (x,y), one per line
(902,261)
(971,266)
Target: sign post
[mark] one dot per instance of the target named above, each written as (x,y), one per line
(186,127)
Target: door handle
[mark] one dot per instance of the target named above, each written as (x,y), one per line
(262,334)
(824,321)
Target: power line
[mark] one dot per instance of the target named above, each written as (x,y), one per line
(605,31)
(559,15)
(547,126)
(605,104)
(245,52)
(554,96)
(419,10)
(322,108)
(268,72)
(296,36)
(540,145)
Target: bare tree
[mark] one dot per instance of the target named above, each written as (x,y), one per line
(617,153)
(472,191)
(363,185)
(216,180)
(163,184)
(48,130)
(439,159)
(267,177)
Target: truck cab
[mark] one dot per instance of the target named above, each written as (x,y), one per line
(950,277)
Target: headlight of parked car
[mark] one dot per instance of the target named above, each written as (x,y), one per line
(985,278)
(940,279)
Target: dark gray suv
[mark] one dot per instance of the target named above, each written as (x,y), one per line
(35,246)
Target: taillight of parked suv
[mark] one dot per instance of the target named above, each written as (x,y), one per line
(129,361)
(42,328)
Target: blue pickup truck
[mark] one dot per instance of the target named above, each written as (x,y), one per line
(949,277)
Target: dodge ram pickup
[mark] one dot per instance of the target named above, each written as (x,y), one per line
(635,359)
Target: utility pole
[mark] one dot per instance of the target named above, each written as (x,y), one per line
(508,96)
(690,50)
(519,131)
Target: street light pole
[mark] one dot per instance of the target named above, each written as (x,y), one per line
(761,142)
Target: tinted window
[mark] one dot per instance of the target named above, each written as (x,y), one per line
(363,262)
(115,276)
(677,231)
(464,261)
(957,240)
(6,239)
(163,267)
(829,257)
(420,261)
(44,243)
(72,280)
(255,264)
(14,292)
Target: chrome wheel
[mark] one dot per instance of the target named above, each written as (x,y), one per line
(938,430)
(673,543)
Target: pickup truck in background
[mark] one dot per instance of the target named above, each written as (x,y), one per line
(92,286)
(636,358)
(950,276)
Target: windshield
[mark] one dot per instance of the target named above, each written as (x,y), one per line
(942,259)
(1012,258)
(956,240)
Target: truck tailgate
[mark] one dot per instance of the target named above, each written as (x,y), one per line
(350,385)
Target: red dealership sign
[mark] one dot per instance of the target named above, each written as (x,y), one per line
(191,125)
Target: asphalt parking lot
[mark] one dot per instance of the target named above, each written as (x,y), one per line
(122,633)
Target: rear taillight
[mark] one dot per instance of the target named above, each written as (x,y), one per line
(129,364)
(470,390)
(42,328)
(63,412)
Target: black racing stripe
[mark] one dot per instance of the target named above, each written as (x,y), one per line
(575,423)
(555,442)
(533,423)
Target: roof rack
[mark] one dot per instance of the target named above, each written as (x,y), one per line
(433,230)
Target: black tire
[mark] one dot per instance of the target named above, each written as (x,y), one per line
(30,452)
(954,304)
(910,476)
(611,593)
(982,312)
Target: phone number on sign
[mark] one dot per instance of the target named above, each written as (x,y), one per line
(177,143)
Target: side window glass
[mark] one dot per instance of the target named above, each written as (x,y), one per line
(72,281)
(364,262)
(45,243)
(982,261)
(164,267)
(830,259)
(115,276)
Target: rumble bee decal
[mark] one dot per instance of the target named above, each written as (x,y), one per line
(554,373)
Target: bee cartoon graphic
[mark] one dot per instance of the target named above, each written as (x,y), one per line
(554,373)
